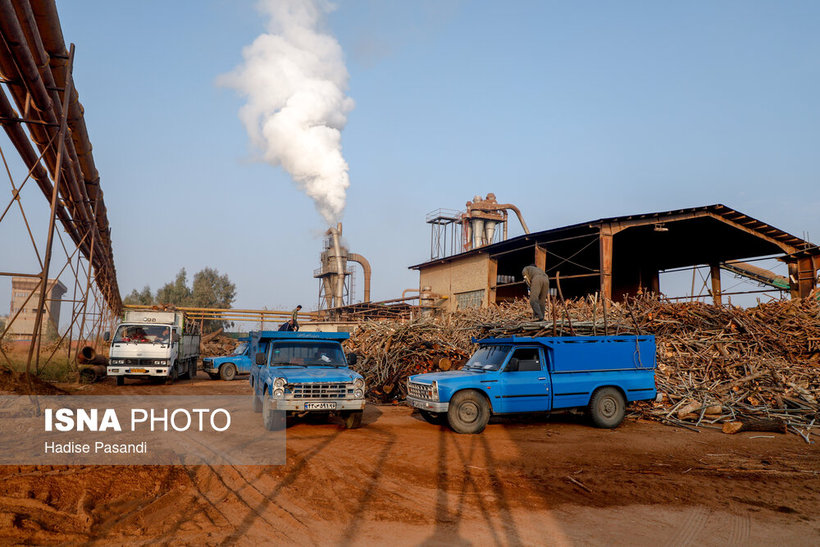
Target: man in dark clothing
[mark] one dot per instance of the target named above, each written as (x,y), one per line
(294,320)
(286,326)
(539,285)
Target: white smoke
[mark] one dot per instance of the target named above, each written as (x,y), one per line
(294,79)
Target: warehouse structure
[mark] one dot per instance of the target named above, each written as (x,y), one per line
(621,256)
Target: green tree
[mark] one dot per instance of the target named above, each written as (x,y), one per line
(175,293)
(211,290)
(140,298)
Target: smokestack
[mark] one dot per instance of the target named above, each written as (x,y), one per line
(294,80)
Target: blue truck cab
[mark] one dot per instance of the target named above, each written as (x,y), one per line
(240,361)
(304,373)
(539,374)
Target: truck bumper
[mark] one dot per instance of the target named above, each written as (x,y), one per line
(432,406)
(211,370)
(299,406)
(135,372)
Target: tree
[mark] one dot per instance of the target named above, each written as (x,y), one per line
(175,293)
(140,298)
(209,290)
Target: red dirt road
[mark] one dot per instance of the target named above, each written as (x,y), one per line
(401,480)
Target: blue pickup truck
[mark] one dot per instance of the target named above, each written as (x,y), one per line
(301,373)
(229,366)
(521,374)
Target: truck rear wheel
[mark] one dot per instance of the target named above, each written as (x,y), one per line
(273,420)
(352,419)
(120,380)
(227,372)
(607,408)
(469,412)
(192,369)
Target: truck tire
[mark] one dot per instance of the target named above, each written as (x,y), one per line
(257,402)
(192,368)
(172,375)
(607,408)
(186,373)
(352,419)
(227,372)
(273,420)
(469,412)
(435,418)
(120,380)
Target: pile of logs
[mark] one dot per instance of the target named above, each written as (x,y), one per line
(718,366)
(217,344)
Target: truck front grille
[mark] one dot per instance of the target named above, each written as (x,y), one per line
(420,391)
(320,391)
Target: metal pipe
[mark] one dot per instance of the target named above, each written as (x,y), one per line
(500,206)
(366,268)
(340,279)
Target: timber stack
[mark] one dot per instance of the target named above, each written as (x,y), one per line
(723,367)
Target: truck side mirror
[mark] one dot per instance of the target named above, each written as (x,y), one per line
(512,366)
(106,336)
(260,359)
(176,337)
(352,358)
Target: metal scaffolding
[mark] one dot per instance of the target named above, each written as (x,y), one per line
(45,125)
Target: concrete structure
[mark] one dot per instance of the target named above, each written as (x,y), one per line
(618,256)
(23,326)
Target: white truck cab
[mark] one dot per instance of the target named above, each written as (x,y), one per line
(153,344)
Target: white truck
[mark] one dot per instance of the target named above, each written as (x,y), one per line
(153,344)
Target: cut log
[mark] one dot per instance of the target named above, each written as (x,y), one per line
(774,425)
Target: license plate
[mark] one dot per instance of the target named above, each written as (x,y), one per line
(138,370)
(320,406)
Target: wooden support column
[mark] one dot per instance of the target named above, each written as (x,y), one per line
(714,273)
(803,276)
(540,257)
(492,280)
(655,282)
(605,257)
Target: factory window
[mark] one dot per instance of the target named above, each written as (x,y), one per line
(470,299)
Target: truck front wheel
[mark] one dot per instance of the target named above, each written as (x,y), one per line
(469,412)
(352,419)
(257,402)
(172,374)
(273,420)
(227,372)
(607,408)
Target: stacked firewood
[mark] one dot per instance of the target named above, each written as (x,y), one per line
(718,366)
(217,344)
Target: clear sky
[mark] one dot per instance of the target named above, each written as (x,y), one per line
(571,110)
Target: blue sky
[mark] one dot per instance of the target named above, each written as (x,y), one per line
(571,110)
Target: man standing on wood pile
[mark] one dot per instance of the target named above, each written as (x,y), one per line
(294,321)
(539,285)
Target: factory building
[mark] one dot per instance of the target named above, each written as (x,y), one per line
(23,301)
(613,257)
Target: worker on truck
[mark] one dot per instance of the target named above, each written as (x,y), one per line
(539,285)
(294,320)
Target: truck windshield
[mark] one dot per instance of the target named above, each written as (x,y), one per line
(240,349)
(488,358)
(308,354)
(142,334)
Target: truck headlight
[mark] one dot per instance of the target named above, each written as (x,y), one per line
(279,382)
(117,362)
(358,394)
(358,383)
(435,390)
(159,362)
(279,393)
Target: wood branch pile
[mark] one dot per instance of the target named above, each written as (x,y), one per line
(716,365)
(216,344)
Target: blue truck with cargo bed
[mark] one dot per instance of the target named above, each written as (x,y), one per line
(301,373)
(600,374)
(227,367)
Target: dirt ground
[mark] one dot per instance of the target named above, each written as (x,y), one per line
(401,480)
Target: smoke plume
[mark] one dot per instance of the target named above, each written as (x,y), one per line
(294,79)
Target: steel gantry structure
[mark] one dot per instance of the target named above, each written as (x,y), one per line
(43,119)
